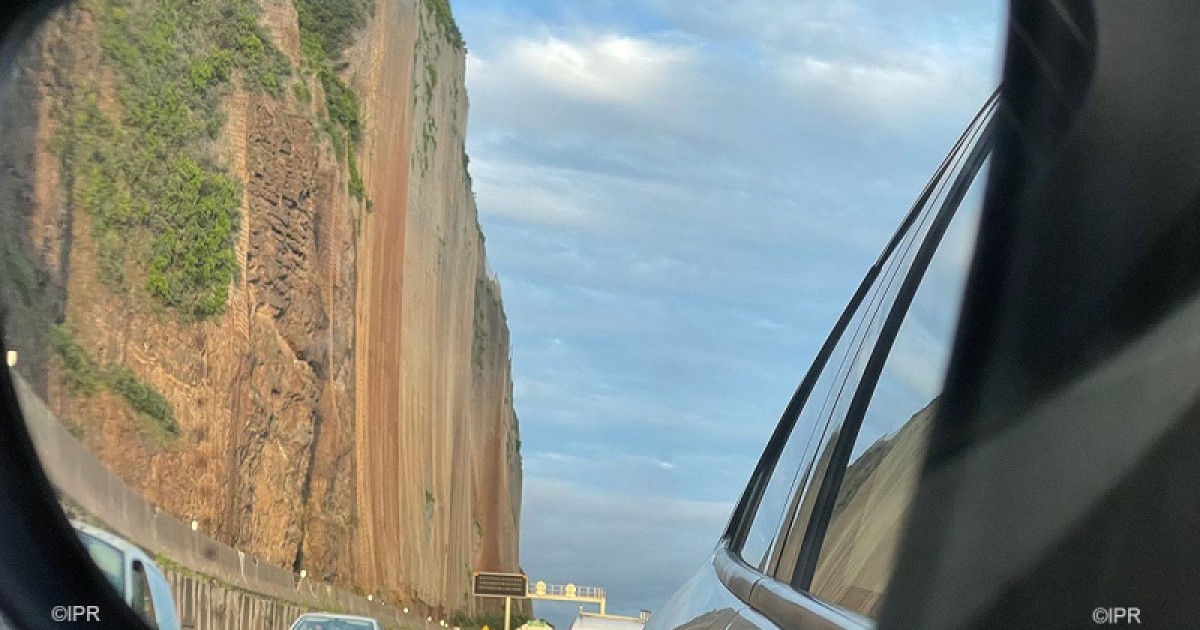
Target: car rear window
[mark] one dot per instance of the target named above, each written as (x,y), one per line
(327,623)
(110,560)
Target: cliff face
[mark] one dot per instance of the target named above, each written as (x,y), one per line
(433,339)
(262,295)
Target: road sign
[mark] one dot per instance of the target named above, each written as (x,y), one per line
(500,585)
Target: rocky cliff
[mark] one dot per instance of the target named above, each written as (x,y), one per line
(248,272)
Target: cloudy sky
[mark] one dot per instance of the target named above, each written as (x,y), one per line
(679,197)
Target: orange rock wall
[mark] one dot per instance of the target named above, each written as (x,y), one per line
(350,413)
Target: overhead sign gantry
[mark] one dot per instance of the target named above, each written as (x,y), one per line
(569,593)
(510,585)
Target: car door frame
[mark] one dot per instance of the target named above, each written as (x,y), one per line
(789,604)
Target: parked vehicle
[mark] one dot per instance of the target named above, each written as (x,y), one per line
(332,621)
(133,573)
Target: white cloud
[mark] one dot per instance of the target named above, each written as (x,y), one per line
(611,68)
(891,66)
(899,92)
(682,145)
(530,195)
(606,68)
(579,401)
(768,325)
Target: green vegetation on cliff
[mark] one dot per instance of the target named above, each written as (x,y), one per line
(163,212)
(428,49)
(332,25)
(326,29)
(84,375)
(80,372)
(444,18)
(485,299)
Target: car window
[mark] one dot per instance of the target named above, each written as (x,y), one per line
(777,532)
(856,557)
(805,454)
(325,623)
(795,548)
(108,558)
(141,599)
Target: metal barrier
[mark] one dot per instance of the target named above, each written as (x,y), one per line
(86,481)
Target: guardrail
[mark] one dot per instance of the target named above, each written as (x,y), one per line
(86,481)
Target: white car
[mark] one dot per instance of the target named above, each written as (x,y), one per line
(133,574)
(331,621)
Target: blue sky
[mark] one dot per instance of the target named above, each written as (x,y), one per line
(679,197)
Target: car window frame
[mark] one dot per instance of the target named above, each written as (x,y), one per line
(787,603)
(814,534)
(741,519)
(141,594)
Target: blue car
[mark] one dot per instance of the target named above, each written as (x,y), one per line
(331,621)
(133,573)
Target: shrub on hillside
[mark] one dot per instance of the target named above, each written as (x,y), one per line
(84,375)
(142,397)
(79,370)
(144,169)
(332,25)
